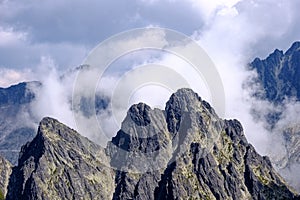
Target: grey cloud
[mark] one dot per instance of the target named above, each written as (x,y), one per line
(276,24)
(67,30)
(92,21)
(24,55)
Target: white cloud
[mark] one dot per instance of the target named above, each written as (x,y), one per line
(210,8)
(10,37)
(10,77)
(53,97)
(232,32)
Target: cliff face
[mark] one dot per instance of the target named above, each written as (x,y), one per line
(204,157)
(279,73)
(183,152)
(5,171)
(60,164)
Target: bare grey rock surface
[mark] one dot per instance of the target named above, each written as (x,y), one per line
(5,171)
(183,152)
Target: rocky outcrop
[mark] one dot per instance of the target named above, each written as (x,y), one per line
(278,76)
(204,158)
(183,152)
(279,73)
(19,122)
(5,171)
(60,164)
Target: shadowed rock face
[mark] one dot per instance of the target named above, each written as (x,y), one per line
(278,76)
(201,156)
(279,73)
(183,152)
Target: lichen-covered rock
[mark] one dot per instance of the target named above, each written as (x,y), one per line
(61,164)
(183,152)
(210,158)
(5,171)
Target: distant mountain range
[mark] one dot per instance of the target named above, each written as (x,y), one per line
(16,127)
(200,155)
(183,152)
(18,122)
(278,76)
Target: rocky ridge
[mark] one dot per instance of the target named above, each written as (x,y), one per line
(60,164)
(278,75)
(19,118)
(183,152)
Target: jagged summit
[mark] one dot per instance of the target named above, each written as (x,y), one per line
(139,113)
(18,94)
(51,129)
(60,164)
(185,151)
(295,47)
(279,74)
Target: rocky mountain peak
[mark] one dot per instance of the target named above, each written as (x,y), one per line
(278,74)
(51,130)
(277,53)
(185,151)
(295,47)
(60,164)
(18,94)
(184,97)
(139,113)
(185,102)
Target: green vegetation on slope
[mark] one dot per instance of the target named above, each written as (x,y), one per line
(1,195)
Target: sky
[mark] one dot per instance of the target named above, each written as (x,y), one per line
(42,40)
(66,31)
